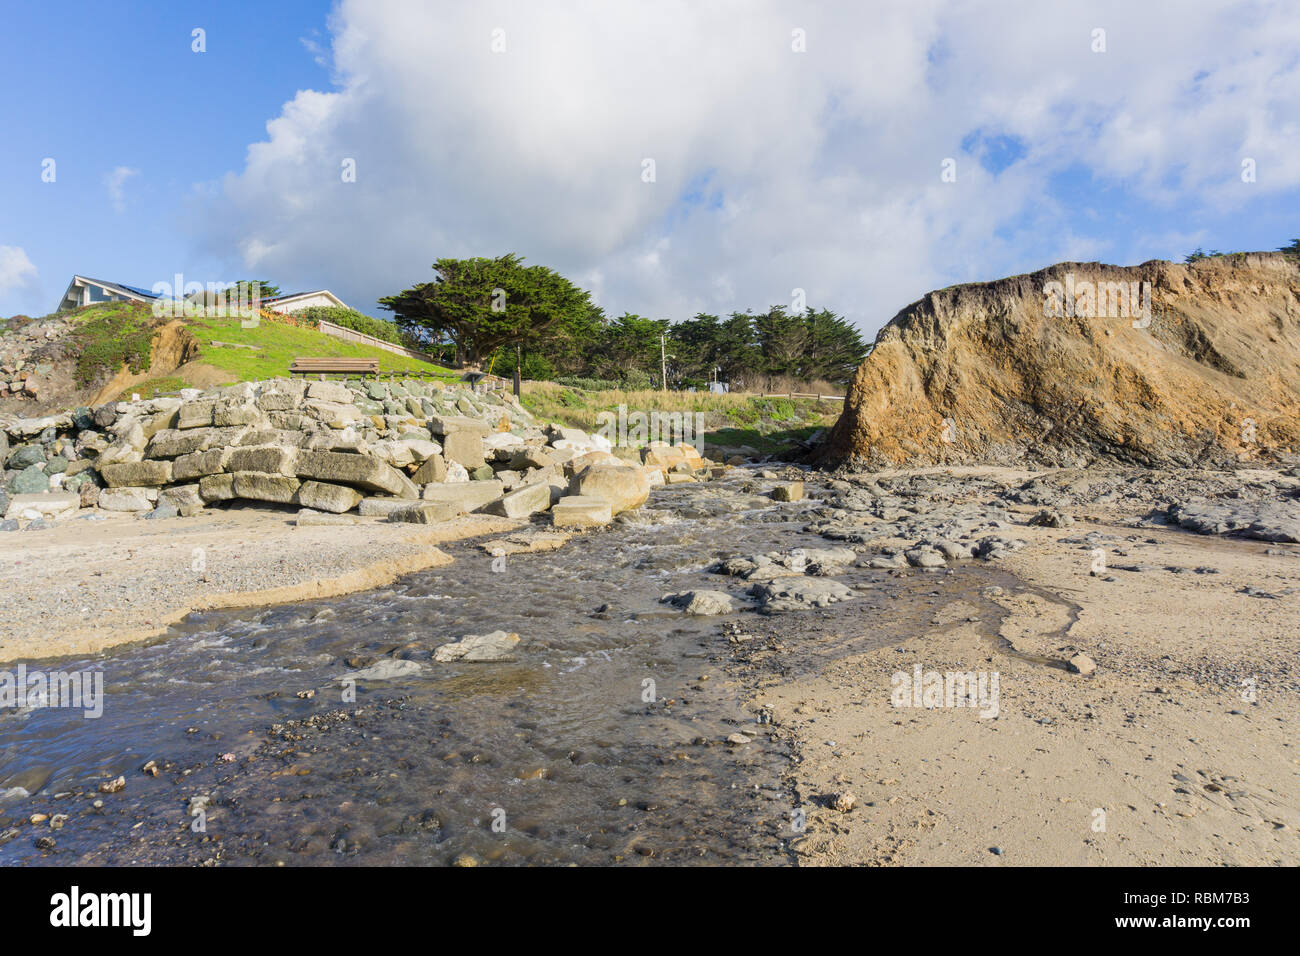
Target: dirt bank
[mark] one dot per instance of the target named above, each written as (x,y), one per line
(1161,365)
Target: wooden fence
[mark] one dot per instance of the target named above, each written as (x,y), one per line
(352,335)
(820,398)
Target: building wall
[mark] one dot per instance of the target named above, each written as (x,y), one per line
(304,303)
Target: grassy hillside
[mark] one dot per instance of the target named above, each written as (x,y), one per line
(103,338)
(768,425)
(267,350)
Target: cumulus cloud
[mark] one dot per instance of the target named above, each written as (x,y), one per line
(504,127)
(16,270)
(115,183)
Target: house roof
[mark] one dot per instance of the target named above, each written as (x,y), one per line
(119,287)
(298,295)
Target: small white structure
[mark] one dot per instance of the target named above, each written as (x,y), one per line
(303,300)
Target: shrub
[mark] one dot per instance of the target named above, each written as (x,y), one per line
(114,335)
(354,320)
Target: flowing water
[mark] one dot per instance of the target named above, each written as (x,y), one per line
(604,742)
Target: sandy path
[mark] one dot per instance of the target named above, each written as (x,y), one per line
(86,585)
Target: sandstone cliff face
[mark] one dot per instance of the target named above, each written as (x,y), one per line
(985,373)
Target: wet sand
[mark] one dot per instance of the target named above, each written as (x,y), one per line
(1155,758)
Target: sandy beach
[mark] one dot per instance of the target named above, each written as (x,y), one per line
(1179,749)
(86,585)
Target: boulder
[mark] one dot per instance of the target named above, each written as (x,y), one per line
(128,499)
(466,495)
(196,414)
(184,498)
(389,668)
(269,459)
(359,470)
(451,424)
(200,464)
(217,488)
(497,646)
(789,491)
(30,481)
(405,451)
(308,518)
(138,474)
(576,464)
(237,412)
(381,507)
(925,558)
(661,455)
(174,442)
(464,447)
(425,512)
(24,456)
(120,451)
(329,392)
(557,433)
(521,503)
(335,499)
(580,511)
(334,414)
(256,486)
(1083,665)
(623,486)
(30,427)
(58,504)
(702,603)
(434,470)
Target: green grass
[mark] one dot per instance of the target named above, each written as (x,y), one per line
(276,345)
(108,336)
(153,388)
(768,443)
(730,420)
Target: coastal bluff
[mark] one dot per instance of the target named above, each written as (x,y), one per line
(1161,365)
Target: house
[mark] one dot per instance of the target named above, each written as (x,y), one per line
(85,291)
(303,300)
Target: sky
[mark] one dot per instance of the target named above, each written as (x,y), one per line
(672,157)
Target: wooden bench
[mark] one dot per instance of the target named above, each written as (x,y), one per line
(334,366)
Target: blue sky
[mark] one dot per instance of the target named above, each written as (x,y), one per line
(776,169)
(99,86)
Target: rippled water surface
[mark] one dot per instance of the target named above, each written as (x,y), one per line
(555,758)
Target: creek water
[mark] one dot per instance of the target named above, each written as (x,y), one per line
(566,755)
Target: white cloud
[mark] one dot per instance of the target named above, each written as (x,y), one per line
(818,170)
(115,183)
(16,270)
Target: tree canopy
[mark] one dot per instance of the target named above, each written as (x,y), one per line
(487,307)
(480,305)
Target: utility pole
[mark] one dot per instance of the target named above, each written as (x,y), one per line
(663,365)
